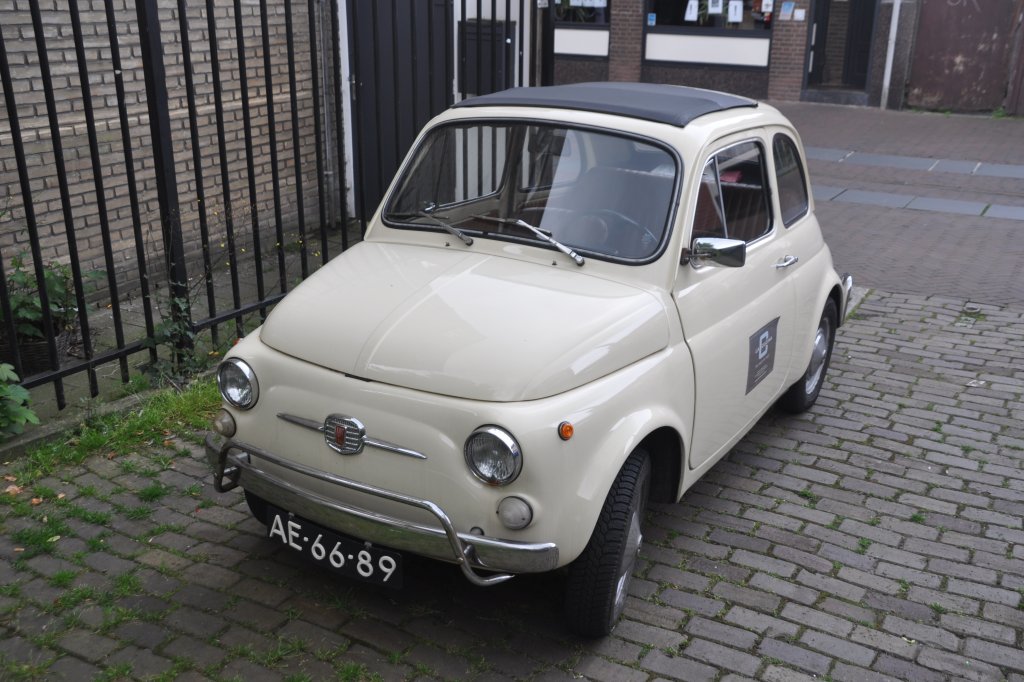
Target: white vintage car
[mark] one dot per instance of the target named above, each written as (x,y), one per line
(573,299)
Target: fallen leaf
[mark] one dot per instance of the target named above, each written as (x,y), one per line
(19,549)
(54,538)
(36,501)
(61,496)
(13,490)
(9,477)
(168,443)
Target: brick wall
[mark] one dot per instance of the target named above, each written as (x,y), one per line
(787,58)
(625,49)
(28,90)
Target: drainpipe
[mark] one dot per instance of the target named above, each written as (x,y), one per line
(890,52)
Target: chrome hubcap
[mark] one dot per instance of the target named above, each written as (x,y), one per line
(818,355)
(629,555)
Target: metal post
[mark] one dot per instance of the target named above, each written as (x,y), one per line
(163,163)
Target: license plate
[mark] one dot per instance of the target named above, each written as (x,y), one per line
(351,558)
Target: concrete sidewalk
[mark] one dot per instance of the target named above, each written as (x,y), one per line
(908,133)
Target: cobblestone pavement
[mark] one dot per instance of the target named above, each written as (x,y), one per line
(877,537)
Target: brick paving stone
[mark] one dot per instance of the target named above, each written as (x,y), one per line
(88,645)
(997,654)
(784,589)
(945,600)
(922,633)
(741,595)
(677,667)
(826,583)
(959,665)
(838,648)
(693,602)
(722,656)
(144,664)
(720,569)
(906,670)
(682,579)
(795,656)
(843,672)
(653,636)
(597,668)
(724,634)
(875,639)
(199,654)
(72,669)
(766,625)
(848,611)
(197,623)
(774,673)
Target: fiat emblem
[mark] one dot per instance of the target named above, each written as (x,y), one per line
(344,435)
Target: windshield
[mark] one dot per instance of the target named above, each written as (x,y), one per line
(601,194)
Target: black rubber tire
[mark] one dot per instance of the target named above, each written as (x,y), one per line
(258,506)
(599,578)
(803,394)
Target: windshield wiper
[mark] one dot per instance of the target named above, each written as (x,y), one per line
(542,234)
(453,231)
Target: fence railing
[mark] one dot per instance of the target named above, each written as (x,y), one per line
(164,169)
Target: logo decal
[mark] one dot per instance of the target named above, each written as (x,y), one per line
(345,435)
(761,358)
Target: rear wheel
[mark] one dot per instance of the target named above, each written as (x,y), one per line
(599,578)
(803,394)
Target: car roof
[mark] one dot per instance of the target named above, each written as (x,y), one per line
(672,104)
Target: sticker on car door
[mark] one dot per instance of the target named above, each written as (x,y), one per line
(761,359)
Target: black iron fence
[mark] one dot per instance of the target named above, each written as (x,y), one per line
(172,168)
(164,170)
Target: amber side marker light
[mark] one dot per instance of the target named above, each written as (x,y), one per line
(565,430)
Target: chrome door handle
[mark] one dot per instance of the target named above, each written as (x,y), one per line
(786,262)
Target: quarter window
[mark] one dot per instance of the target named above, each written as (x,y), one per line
(732,200)
(791,179)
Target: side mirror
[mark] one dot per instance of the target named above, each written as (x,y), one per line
(728,253)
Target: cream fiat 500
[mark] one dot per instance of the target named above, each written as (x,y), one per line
(573,299)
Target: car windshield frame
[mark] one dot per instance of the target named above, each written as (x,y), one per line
(514,187)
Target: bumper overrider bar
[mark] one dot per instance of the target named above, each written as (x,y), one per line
(237,463)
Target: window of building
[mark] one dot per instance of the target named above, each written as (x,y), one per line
(712,14)
(582,11)
(791,179)
(732,200)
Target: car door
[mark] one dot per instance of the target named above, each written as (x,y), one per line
(739,322)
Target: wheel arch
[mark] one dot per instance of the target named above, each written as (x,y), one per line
(665,448)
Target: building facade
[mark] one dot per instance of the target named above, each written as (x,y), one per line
(842,51)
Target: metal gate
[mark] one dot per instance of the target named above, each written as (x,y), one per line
(412,59)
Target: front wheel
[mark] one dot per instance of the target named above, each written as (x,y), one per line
(802,395)
(599,578)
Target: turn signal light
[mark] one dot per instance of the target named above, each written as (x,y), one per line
(565,430)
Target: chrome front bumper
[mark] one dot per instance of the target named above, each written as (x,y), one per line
(236,463)
(847,280)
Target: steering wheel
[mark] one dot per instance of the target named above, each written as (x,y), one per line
(620,223)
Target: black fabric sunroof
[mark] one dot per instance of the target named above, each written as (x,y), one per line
(673,104)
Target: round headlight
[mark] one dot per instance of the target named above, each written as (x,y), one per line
(237,383)
(493,455)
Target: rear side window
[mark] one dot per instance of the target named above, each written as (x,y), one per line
(732,199)
(791,179)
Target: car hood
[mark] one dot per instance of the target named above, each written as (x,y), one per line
(466,325)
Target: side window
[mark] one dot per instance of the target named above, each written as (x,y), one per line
(791,179)
(732,200)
